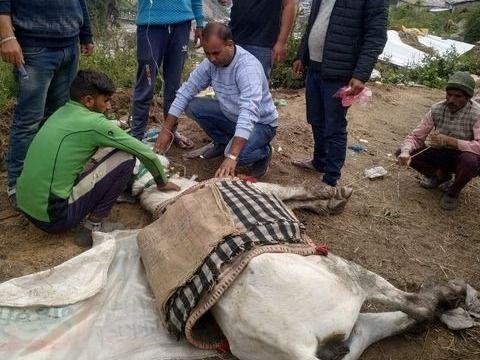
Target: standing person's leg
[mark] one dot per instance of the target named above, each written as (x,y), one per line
(40,64)
(335,135)
(151,44)
(263,54)
(174,60)
(316,119)
(59,90)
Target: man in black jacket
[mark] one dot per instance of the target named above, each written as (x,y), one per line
(341,44)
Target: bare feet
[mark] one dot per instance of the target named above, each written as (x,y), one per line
(182,141)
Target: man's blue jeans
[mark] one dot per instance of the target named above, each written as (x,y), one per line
(328,119)
(263,54)
(209,116)
(164,46)
(50,74)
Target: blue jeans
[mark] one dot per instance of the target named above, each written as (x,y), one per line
(328,119)
(161,44)
(50,74)
(209,116)
(263,54)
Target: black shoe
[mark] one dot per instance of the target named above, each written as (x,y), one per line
(260,167)
(449,202)
(213,152)
(434,181)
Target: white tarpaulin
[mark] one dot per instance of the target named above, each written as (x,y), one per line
(442,46)
(401,54)
(117,320)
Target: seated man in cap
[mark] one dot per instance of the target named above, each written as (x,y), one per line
(453,131)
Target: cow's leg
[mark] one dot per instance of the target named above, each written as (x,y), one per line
(286,193)
(421,306)
(371,328)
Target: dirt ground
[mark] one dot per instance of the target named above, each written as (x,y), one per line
(390,226)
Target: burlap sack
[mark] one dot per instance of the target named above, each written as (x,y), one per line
(174,246)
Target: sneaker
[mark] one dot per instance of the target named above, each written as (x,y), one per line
(84,237)
(213,152)
(260,167)
(449,202)
(434,181)
(12,201)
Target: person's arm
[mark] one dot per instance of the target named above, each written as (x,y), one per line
(198,80)
(249,82)
(416,139)
(197,7)
(473,146)
(374,39)
(289,11)
(110,135)
(86,36)
(10,50)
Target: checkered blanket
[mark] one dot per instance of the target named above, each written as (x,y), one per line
(264,220)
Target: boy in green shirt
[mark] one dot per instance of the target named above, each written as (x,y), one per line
(60,183)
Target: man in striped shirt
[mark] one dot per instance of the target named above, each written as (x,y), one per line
(242,120)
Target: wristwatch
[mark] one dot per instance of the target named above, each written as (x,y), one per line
(231,157)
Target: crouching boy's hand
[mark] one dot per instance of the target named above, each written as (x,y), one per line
(169,186)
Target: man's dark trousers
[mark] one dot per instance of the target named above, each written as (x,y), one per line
(465,165)
(164,46)
(327,116)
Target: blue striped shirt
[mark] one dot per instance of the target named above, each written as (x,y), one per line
(241,89)
(167,12)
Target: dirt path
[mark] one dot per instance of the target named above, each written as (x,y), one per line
(390,226)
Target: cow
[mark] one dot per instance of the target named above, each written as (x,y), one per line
(285,306)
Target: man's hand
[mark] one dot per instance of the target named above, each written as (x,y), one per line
(356,86)
(227,168)
(404,159)
(297,68)
(169,186)
(11,52)
(438,140)
(164,139)
(87,49)
(279,52)
(197,41)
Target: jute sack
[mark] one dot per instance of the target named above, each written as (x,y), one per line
(174,246)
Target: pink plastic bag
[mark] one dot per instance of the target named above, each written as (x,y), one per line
(348,99)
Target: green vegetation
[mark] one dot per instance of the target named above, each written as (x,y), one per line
(7,84)
(434,72)
(472,27)
(282,76)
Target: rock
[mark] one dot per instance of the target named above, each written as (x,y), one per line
(376,75)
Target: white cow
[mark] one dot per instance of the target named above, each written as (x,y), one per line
(285,306)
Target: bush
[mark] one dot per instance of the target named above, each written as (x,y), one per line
(434,72)
(472,27)
(7,84)
(282,76)
(411,16)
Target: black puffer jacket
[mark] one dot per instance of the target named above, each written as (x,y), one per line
(356,36)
